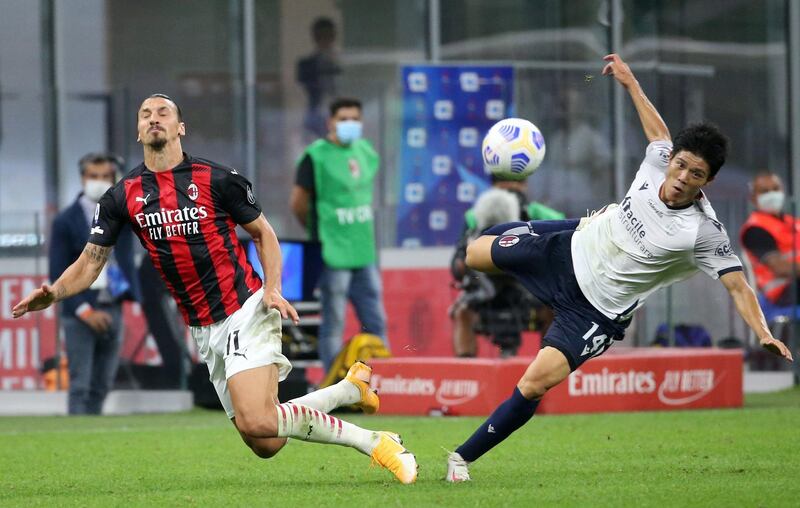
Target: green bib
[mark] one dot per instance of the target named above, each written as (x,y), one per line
(343,183)
(536,211)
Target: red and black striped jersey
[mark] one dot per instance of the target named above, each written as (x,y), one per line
(186,219)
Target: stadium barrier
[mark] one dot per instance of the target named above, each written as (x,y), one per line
(625,379)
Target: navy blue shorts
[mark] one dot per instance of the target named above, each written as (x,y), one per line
(543,264)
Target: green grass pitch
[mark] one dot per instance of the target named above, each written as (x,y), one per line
(741,457)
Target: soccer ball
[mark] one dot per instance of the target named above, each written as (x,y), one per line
(513,149)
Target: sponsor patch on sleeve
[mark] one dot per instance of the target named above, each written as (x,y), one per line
(724,250)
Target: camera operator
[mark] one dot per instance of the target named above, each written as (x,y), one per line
(495,305)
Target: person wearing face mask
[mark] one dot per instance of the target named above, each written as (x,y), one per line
(91,319)
(771,239)
(332,197)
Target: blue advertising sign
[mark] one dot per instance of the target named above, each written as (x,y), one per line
(447,109)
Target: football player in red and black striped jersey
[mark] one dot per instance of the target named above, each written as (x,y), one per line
(184,211)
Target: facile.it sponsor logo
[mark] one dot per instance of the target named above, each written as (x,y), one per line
(448,392)
(677,388)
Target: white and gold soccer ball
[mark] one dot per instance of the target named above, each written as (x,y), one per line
(513,149)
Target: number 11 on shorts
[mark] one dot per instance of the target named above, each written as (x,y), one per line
(234,335)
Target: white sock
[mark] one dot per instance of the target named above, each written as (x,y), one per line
(329,398)
(307,424)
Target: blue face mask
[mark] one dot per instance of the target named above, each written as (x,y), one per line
(348,131)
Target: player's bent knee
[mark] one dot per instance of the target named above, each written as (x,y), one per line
(263,448)
(265,452)
(258,424)
(548,369)
(532,389)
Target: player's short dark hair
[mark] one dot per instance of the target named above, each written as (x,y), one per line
(705,140)
(321,25)
(344,102)
(99,158)
(167,97)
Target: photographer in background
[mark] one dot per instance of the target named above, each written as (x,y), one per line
(92,319)
(495,305)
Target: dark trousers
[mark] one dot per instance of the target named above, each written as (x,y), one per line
(163,320)
(93,360)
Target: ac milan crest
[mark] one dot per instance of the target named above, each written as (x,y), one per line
(193,192)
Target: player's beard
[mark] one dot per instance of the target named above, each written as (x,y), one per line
(158,144)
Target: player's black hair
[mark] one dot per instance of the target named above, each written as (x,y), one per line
(167,97)
(100,157)
(705,140)
(344,102)
(320,26)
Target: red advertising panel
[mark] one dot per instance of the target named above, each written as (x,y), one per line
(631,380)
(658,379)
(26,341)
(421,386)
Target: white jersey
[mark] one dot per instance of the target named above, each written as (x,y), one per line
(627,253)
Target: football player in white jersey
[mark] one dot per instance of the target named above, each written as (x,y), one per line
(595,273)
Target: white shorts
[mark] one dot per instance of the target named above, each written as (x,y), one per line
(248,338)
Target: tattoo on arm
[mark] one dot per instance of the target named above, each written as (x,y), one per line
(97,254)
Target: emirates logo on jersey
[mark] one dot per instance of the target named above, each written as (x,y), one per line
(193,192)
(355,168)
(166,223)
(508,241)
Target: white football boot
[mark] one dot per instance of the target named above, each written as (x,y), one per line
(457,470)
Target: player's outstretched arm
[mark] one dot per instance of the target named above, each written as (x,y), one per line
(75,279)
(269,253)
(747,305)
(654,127)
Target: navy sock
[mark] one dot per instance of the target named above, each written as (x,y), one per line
(512,414)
